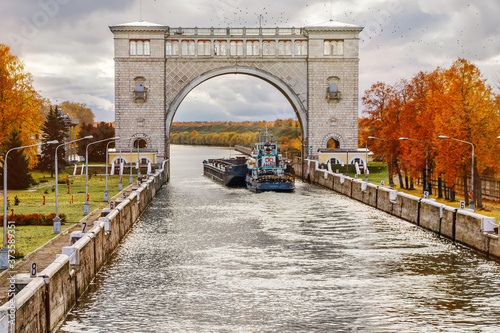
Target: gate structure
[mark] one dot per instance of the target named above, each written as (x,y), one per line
(315,67)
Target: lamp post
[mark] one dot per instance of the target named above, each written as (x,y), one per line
(106,192)
(426,182)
(86,205)
(4,252)
(57,220)
(472,204)
(391,182)
(366,161)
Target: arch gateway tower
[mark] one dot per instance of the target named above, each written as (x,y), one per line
(315,67)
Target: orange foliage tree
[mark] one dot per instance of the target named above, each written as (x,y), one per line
(455,102)
(20,104)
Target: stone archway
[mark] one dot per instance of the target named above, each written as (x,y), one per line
(335,136)
(287,91)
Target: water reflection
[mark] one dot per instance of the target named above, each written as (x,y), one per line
(204,258)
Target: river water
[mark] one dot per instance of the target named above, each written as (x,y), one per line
(205,258)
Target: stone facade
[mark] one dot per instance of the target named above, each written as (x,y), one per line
(157,66)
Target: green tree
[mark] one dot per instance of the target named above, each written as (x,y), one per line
(54,128)
(97,152)
(17,162)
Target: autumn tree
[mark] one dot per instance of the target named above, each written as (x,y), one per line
(79,111)
(468,112)
(20,104)
(19,177)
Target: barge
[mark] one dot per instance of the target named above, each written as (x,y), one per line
(230,172)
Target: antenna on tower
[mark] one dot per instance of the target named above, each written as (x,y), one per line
(140,10)
(331,10)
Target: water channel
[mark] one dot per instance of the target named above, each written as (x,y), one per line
(205,258)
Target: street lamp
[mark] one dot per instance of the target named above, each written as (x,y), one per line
(391,182)
(106,192)
(426,182)
(366,161)
(472,204)
(4,252)
(57,220)
(86,205)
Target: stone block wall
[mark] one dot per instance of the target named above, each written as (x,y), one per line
(44,302)
(458,225)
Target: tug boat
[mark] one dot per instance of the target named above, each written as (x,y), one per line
(267,170)
(230,172)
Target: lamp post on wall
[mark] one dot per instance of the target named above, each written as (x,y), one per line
(472,204)
(391,182)
(86,205)
(106,192)
(426,182)
(4,252)
(57,220)
(366,161)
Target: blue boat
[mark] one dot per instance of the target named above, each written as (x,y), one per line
(267,170)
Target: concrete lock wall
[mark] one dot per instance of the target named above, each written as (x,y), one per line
(46,300)
(459,225)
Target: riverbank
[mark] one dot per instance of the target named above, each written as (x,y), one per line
(473,230)
(49,296)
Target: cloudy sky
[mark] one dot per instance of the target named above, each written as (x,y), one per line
(67,45)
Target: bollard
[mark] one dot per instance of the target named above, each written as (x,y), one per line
(44,200)
(12,210)
(101,176)
(68,189)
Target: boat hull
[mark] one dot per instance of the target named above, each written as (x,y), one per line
(278,185)
(230,172)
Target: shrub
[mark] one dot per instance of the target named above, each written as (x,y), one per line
(63,181)
(43,180)
(35,219)
(16,201)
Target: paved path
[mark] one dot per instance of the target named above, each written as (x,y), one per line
(46,254)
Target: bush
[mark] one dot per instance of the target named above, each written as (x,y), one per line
(35,219)
(16,201)
(43,180)
(63,181)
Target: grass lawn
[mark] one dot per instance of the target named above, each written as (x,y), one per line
(29,238)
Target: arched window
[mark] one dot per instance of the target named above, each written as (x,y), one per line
(223,48)
(249,49)
(265,48)
(140,47)
(184,47)
(175,48)
(141,143)
(240,48)
(147,50)
(191,48)
(360,161)
(281,48)
(300,48)
(334,47)
(332,143)
(133,47)
(201,48)
(256,50)
(207,48)
(288,48)
(335,161)
(233,48)
(168,48)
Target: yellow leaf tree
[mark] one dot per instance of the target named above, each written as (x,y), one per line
(20,103)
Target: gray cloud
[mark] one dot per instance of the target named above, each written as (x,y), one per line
(67,46)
